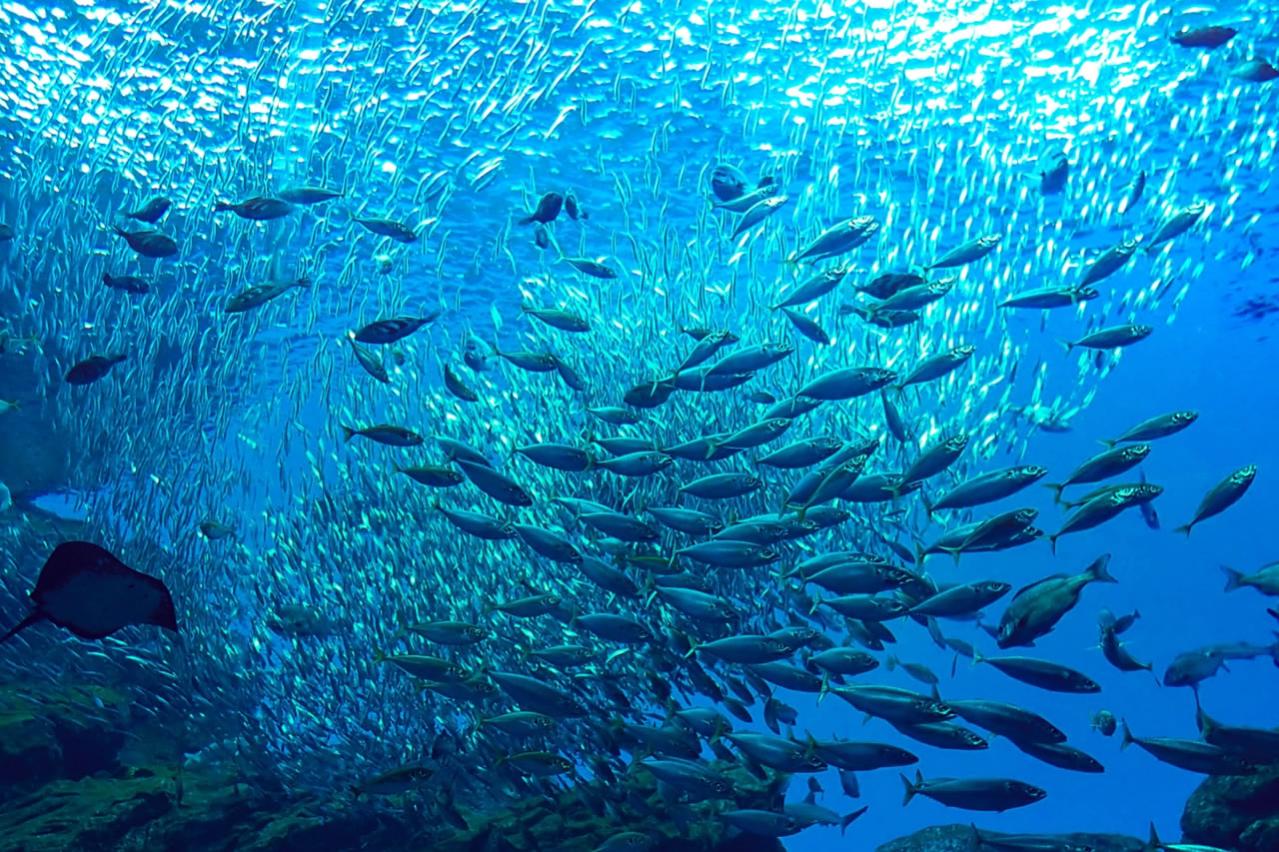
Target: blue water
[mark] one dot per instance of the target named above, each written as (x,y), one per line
(455,119)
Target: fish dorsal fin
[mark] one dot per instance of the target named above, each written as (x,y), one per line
(1039,583)
(90,592)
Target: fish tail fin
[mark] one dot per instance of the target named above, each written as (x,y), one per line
(303,282)
(347,433)
(892,662)
(222,206)
(32,617)
(1154,842)
(1108,442)
(911,788)
(825,688)
(1127,735)
(1185,528)
(1056,489)
(1098,571)
(1234,579)
(1052,542)
(355,791)
(928,506)
(848,819)
(1069,346)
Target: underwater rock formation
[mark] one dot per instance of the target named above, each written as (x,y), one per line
(959,838)
(1238,812)
(70,778)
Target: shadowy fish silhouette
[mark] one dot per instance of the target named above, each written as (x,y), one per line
(85,589)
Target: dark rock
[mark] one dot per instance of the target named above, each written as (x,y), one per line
(959,838)
(58,733)
(1235,812)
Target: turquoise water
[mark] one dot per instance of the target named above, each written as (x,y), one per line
(937,120)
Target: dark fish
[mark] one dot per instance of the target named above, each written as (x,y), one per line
(1255,70)
(392,436)
(945,735)
(434,477)
(1135,190)
(847,383)
(152,211)
(1257,744)
(889,284)
(813,288)
(1062,756)
(92,368)
(1176,225)
(1160,426)
(370,363)
(1104,507)
(1114,337)
(1222,496)
(548,209)
(1109,262)
(974,794)
(728,182)
(496,485)
(127,283)
(1104,465)
(967,253)
(477,524)
(148,243)
(309,194)
(989,487)
(457,386)
(938,366)
(1208,37)
(397,231)
(253,297)
(542,237)
(555,318)
(1053,169)
(807,327)
(852,756)
(574,208)
(1036,609)
(958,601)
(258,209)
(1264,580)
(1052,296)
(85,589)
(1117,654)
(393,783)
(396,328)
(837,239)
(1007,720)
(593,268)
(1191,755)
(1042,673)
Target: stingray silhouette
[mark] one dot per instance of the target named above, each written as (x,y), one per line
(85,589)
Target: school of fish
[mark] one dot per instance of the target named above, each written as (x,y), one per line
(558,471)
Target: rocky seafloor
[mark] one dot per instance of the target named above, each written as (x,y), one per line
(75,774)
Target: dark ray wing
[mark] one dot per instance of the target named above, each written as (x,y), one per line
(85,589)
